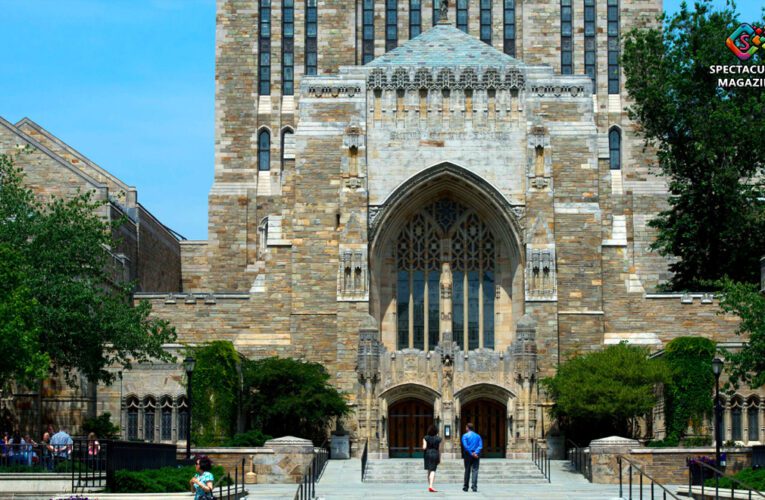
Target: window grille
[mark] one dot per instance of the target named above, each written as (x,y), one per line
(311,37)
(509,28)
(264,49)
(566,39)
(415,18)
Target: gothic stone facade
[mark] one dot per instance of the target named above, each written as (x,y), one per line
(438,227)
(147,253)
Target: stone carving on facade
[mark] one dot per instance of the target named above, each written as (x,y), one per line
(541,281)
(443,14)
(368,361)
(352,276)
(525,349)
(333,91)
(435,79)
(557,90)
(539,159)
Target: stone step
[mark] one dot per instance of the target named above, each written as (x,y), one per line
(491,471)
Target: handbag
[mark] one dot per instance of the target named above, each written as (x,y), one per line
(208,495)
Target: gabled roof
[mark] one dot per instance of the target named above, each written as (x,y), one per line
(444,45)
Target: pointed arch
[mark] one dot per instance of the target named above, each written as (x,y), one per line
(264,150)
(615,148)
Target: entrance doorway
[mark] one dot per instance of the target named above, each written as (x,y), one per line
(408,421)
(490,420)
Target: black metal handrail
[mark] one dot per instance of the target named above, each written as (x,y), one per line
(580,460)
(541,459)
(307,488)
(718,473)
(364,458)
(238,487)
(633,465)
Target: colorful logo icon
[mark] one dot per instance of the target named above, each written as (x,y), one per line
(745,41)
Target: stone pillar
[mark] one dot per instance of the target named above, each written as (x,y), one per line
(290,460)
(603,453)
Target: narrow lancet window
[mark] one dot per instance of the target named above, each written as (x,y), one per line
(368,32)
(264,49)
(311,36)
(288,47)
(613,46)
(590,41)
(615,149)
(509,28)
(415,18)
(566,39)
(486,21)
(264,151)
(391,24)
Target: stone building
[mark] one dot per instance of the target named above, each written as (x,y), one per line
(147,253)
(439,202)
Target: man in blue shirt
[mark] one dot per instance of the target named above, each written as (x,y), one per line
(471,452)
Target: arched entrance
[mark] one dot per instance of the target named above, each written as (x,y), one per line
(490,420)
(408,421)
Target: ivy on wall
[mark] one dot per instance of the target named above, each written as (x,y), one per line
(688,393)
(215,391)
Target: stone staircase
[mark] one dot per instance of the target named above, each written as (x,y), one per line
(491,471)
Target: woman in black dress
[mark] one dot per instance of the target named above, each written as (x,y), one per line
(431,443)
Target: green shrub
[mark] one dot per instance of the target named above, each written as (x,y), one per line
(251,438)
(753,478)
(102,426)
(695,441)
(164,480)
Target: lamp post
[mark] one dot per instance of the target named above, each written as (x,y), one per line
(717,368)
(188,365)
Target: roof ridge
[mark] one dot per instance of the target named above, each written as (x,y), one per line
(445,45)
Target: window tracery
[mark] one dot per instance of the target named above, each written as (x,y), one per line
(445,232)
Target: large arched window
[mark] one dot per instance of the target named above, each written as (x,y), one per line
(445,236)
(264,151)
(615,149)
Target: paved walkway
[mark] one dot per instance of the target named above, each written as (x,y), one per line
(342,481)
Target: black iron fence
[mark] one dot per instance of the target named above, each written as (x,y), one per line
(699,472)
(650,486)
(580,460)
(541,459)
(307,488)
(39,457)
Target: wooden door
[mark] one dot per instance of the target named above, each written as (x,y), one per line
(490,420)
(408,421)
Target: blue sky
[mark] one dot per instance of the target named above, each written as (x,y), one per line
(130,84)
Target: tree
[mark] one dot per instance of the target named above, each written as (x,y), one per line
(291,397)
(61,310)
(687,393)
(603,392)
(715,223)
(746,365)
